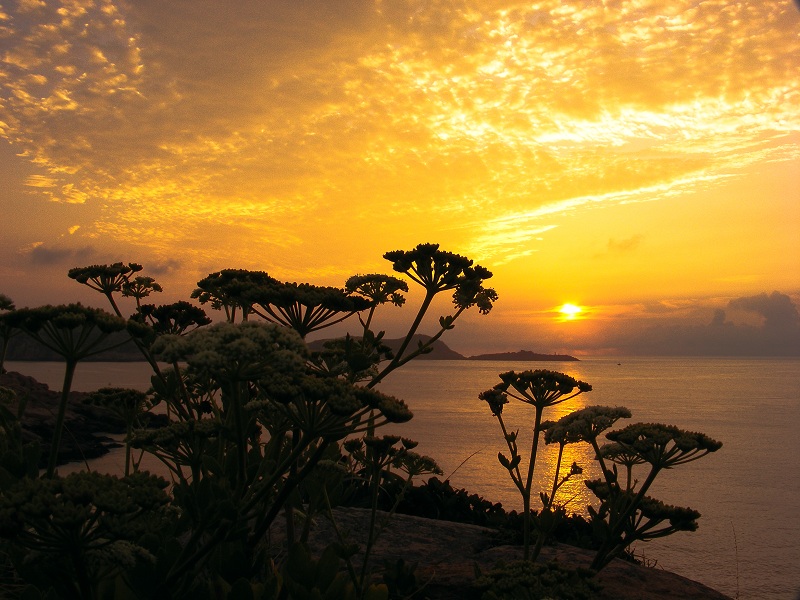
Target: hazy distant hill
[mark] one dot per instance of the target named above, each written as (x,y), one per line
(23,347)
(524,355)
(441,351)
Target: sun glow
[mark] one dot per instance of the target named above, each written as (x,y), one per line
(570,312)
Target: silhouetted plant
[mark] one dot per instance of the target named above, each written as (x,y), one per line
(627,514)
(127,404)
(357,358)
(437,271)
(106,279)
(141,287)
(540,389)
(378,289)
(18,458)
(230,290)
(177,318)
(116,279)
(371,461)
(249,374)
(305,307)
(78,533)
(74,332)
(6,330)
(585,425)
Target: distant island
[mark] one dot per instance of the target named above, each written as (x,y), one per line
(24,348)
(524,355)
(442,351)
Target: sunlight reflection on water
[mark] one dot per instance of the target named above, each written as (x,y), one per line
(748,491)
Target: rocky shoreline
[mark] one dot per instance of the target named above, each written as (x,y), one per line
(86,428)
(447,554)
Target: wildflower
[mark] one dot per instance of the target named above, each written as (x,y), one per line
(173,319)
(393,409)
(236,352)
(584,425)
(664,446)
(379,289)
(541,388)
(495,399)
(106,279)
(231,289)
(140,287)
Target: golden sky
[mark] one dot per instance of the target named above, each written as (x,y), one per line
(637,158)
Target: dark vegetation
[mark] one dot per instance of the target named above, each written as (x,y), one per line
(259,426)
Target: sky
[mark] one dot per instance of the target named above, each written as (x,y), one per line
(637,159)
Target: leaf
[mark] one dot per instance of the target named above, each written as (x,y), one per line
(504,461)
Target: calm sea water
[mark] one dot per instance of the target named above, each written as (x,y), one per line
(748,492)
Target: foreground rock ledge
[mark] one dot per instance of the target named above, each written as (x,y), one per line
(446,554)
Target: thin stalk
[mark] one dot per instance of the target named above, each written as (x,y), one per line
(288,487)
(372,520)
(395,362)
(526,518)
(555,477)
(69,373)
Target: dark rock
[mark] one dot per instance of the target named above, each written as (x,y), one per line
(448,553)
(83,424)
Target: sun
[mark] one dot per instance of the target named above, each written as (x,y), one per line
(570,312)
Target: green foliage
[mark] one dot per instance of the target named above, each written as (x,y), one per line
(18,459)
(525,580)
(75,533)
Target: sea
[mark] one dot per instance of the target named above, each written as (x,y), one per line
(748,493)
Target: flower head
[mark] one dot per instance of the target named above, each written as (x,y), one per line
(104,278)
(434,269)
(495,399)
(664,446)
(541,387)
(585,424)
(379,289)
(236,352)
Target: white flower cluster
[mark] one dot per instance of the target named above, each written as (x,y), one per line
(243,351)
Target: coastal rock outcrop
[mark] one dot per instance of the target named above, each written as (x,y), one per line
(85,425)
(447,553)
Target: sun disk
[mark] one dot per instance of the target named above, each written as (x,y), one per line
(570,311)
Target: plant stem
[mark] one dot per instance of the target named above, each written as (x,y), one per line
(69,373)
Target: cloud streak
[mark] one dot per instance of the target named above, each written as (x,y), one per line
(242,136)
